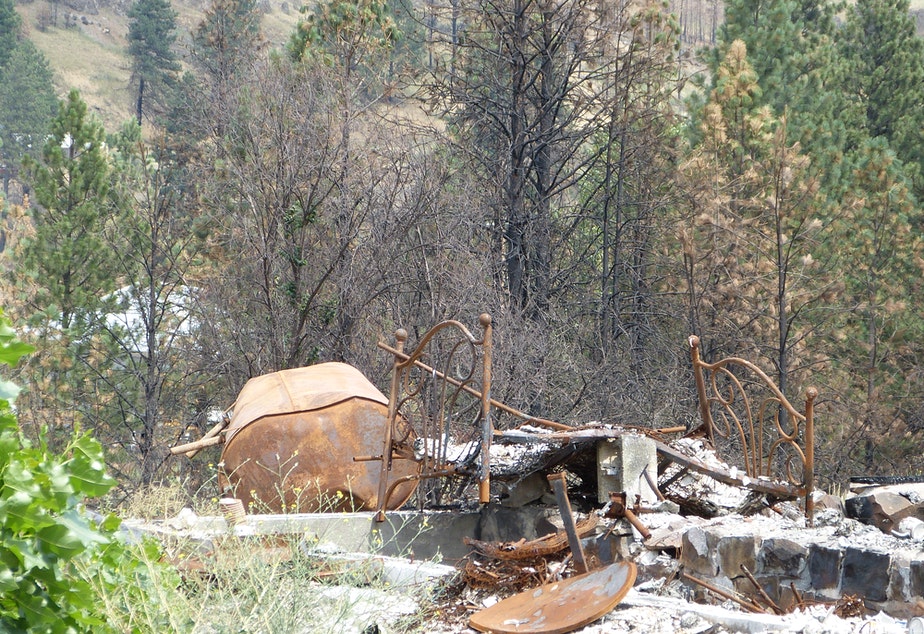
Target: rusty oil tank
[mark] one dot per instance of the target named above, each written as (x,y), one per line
(292,438)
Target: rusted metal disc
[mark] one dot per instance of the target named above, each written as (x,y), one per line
(559,607)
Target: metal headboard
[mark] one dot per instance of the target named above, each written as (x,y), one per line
(439,412)
(775,439)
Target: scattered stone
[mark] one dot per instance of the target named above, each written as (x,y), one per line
(886,507)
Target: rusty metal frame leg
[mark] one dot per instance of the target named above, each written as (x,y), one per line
(809,475)
(384,492)
(487,431)
(557,480)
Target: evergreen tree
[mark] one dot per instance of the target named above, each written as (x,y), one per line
(139,351)
(882,334)
(790,48)
(9,30)
(754,274)
(27,101)
(885,57)
(151,35)
(227,38)
(225,45)
(67,257)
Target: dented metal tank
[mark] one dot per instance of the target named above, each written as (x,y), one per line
(292,438)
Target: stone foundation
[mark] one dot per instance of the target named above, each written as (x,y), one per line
(823,563)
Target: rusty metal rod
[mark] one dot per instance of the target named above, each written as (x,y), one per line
(487,424)
(557,480)
(380,513)
(385,469)
(653,485)
(810,395)
(637,523)
(747,605)
(763,595)
(504,408)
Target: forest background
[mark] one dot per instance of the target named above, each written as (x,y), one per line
(237,187)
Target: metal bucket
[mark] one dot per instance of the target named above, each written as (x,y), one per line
(292,438)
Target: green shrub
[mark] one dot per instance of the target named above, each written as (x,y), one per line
(55,561)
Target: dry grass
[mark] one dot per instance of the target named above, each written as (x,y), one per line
(87,58)
(262,584)
(93,57)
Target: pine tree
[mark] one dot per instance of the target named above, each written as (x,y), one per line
(139,351)
(881,246)
(755,279)
(151,35)
(790,47)
(67,257)
(9,30)
(27,101)
(225,45)
(886,79)
(227,38)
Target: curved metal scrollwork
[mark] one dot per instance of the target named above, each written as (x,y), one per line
(775,439)
(440,410)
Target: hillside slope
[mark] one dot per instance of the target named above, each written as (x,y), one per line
(86,46)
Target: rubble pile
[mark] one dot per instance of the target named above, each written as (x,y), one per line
(718,558)
(725,558)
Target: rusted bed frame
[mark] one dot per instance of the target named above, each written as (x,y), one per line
(441,392)
(775,438)
(439,410)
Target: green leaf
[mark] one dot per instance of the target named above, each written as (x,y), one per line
(8,390)
(24,554)
(11,353)
(87,469)
(72,535)
(7,580)
(11,349)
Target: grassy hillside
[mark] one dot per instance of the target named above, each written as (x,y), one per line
(88,52)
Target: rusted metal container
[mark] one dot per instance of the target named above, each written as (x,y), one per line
(292,438)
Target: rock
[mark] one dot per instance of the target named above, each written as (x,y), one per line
(697,553)
(825,566)
(824,501)
(917,577)
(885,507)
(784,557)
(525,490)
(184,520)
(866,573)
(734,551)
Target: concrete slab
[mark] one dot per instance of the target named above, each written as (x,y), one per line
(621,466)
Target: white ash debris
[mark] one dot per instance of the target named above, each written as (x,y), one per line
(695,485)
(830,529)
(352,609)
(641,612)
(652,614)
(515,459)
(445,449)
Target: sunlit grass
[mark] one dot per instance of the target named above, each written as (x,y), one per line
(258,583)
(93,57)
